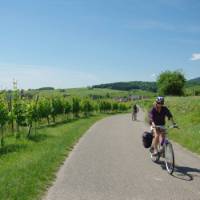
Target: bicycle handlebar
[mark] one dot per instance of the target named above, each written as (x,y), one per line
(165,128)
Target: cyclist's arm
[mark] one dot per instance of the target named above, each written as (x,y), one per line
(168,113)
(172,120)
(153,124)
(170,116)
(151,118)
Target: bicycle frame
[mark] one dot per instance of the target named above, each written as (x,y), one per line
(166,146)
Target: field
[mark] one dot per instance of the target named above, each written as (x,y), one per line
(85,92)
(186,113)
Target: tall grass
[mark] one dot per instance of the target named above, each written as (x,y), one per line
(186,112)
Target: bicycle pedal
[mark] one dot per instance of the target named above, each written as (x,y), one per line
(151,149)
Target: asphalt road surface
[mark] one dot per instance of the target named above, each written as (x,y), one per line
(110,163)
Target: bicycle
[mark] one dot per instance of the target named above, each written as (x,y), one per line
(134,116)
(165,151)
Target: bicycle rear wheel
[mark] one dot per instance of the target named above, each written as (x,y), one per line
(169,158)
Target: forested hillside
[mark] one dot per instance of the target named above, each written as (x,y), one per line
(133,85)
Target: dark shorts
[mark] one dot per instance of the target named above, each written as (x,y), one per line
(159,130)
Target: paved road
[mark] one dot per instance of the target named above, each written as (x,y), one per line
(110,163)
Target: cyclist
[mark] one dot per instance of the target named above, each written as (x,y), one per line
(134,112)
(157,118)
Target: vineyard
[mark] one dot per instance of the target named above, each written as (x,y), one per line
(21,116)
(38,131)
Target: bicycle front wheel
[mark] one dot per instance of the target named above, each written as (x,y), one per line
(169,158)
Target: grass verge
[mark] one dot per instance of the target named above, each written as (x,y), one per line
(27,167)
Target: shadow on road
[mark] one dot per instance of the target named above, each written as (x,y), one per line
(182,172)
(186,173)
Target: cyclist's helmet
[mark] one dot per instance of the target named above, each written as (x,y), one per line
(160,100)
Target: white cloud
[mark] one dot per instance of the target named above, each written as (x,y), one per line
(195,56)
(34,76)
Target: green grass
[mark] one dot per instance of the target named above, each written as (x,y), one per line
(95,91)
(27,167)
(105,91)
(83,92)
(186,113)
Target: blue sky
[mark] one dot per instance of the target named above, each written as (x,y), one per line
(73,43)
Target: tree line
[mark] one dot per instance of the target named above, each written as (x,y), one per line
(133,85)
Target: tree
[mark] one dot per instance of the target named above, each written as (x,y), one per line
(115,106)
(105,106)
(67,107)
(57,108)
(87,107)
(11,115)
(96,106)
(32,114)
(44,108)
(171,83)
(76,107)
(19,111)
(123,107)
(3,118)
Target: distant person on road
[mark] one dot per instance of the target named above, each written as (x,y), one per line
(134,112)
(157,118)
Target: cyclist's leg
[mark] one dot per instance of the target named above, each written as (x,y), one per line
(161,140)
(155,140)
(161,137)
(135,115)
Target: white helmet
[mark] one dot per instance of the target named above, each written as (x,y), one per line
(160,100)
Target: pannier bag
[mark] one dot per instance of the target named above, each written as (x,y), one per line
(147,138)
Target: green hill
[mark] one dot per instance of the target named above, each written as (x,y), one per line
(127,86)
(117,89)
(141,85)
(195,81)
